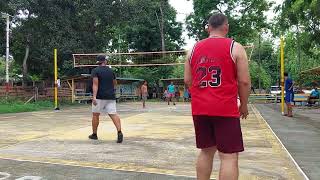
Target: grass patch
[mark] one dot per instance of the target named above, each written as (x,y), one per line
(16,106)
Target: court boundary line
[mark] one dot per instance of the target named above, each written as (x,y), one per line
(73,164)
(256,112)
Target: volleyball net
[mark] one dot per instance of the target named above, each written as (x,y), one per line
(139,59)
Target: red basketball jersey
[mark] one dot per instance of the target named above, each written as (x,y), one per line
(214,88)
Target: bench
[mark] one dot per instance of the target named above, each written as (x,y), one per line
(80,95)
(302,98)
(125,97)
(264,98)
(315,101)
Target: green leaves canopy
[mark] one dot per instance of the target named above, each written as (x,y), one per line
(246,17)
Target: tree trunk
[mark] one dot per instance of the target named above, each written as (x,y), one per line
(162,31)
(161,25)
(24,65)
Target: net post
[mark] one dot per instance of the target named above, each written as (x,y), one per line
(282,73)
(55,80)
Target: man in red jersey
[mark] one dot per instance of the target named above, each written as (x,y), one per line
(217,72)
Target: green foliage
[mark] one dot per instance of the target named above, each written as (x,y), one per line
(139,27)
(299,21)
(268,61)
(151,74)
(307,59)
(258,72)
(178,72)
(87,27)
(246,17)
(2,67)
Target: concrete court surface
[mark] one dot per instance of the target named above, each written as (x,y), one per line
(300,135)
(159,144)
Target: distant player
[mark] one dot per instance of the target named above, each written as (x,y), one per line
(289,94)
(216,72)
(144,93)
(186,95)
(171,93)
(104,99)
(154,93)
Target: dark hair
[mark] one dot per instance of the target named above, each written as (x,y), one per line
(286,74)
(217,20)
(101,58)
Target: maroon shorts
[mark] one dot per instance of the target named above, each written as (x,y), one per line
(222,132)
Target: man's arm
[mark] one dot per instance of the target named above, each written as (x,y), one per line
(243,75)
(114,81)
(290,88)
(95,84)
(187,71)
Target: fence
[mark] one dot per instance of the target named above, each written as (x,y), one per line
(263,98)
(25,93)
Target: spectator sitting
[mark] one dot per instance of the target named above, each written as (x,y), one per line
(313,96)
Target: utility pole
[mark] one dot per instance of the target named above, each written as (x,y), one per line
(119,49)
(299,50)
(7,17)
(259,64)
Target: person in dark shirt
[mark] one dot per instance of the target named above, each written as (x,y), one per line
(104,98)
(154,93)
(289,94)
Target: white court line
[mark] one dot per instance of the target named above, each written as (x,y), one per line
(7,117)
(294,161)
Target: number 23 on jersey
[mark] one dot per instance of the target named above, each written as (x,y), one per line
(209,77)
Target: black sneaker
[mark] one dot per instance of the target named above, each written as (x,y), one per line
(93,137)
(120,137)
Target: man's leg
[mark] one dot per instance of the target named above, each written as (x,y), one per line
(290,109)
(289,100)
(229,169)
(205,162)
(116,121)
(229,143)
(143,103)
(95,122)
(173,100)
(287,104)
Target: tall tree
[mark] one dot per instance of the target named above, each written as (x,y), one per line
(142,23)
(246,17)
(70,26)
(299,22)
(87,26)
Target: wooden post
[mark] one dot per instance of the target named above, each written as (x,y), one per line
(72,91)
